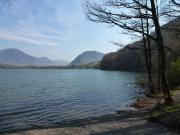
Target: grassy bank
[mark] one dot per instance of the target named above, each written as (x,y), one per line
(168,115)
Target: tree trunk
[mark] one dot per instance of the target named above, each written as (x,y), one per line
(158,73)
(151,85)
(146,56)
(165,86)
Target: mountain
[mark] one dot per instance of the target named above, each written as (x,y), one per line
(128,59)
(16,57)
(87,57)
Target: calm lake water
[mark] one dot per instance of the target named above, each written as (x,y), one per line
(33,98)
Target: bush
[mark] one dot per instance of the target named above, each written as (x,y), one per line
(174,73)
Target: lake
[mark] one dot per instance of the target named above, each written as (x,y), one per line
(37,98)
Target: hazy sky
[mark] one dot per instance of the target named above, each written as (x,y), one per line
(57,29)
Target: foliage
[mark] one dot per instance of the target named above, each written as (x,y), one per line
(174,72)
(124,60)
(164,109)
(168,115)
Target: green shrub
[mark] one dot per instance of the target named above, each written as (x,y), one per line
(174,72)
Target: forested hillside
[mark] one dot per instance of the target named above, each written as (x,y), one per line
(131,57)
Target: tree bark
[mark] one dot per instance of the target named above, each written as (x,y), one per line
(165,86)
(151,85)
(146,57)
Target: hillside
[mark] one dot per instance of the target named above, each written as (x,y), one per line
(16,57)
(87,57)
(128,59)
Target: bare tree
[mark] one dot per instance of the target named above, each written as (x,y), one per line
(134,23)
(125,14)
(176,2)
(147,51)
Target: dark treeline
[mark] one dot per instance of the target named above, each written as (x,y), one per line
(83,66)
(131,57)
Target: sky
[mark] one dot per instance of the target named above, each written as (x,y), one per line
(57,29)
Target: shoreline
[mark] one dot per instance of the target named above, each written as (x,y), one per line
(76,122)
(133,121)
(81,122)
(121,122)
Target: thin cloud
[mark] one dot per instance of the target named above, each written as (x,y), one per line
(37,29)
(34,35)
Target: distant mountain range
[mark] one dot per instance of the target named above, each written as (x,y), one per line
(16,57)
(88,57)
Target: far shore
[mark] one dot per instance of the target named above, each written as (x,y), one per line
(85,66)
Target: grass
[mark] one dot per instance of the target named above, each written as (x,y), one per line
(168,115)
(162,110)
